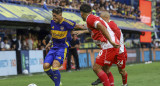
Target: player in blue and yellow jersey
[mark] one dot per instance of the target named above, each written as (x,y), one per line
(61,35)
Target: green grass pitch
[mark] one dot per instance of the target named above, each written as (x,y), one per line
(138,75)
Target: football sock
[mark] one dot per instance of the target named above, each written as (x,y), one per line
(50,73)
(104,78)
(124,78)
(56,76)
(111,78)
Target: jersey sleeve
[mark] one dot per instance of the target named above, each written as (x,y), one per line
(92,21)
(69,24)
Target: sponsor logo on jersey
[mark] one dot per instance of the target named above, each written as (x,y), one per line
(59,34)
(62,28)
(107,62)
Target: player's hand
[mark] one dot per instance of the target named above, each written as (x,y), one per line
(115,45)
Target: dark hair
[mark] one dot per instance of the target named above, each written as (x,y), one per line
(57,10)
(85,8)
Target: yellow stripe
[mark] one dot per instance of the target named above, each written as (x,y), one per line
(69,22)
(59,34)
(65,53)
(66,42)
(56,68)
(47,69)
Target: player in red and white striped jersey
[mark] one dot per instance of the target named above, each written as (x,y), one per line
(103,35)
(121,58)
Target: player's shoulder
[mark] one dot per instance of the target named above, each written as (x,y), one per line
(68,21)
(112,22)
(91,16)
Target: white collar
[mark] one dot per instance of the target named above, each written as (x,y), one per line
(87,17)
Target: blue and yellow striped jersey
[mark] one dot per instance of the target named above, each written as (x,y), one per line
(61,33)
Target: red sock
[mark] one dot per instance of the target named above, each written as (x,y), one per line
(124,78)
(104,78)
(111,78)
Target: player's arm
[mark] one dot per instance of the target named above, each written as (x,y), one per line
(49,44)
(78,26)
(81,31)
(104,31)
(72,25)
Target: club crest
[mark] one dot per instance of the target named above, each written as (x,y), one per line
(62,28)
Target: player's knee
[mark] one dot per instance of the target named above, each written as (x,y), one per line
(46,66)
(107,71)
(56,65)
(94,68)
(122,72)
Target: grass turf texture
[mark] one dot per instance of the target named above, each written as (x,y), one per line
(138,75)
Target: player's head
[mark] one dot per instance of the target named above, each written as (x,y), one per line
(105,16)
(57,14)
(85,9)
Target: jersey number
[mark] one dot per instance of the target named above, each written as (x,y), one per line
(120,62)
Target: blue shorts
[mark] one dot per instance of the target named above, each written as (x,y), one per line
(56,54)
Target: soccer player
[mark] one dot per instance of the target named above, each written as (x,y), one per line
(104,37)
(121,58)
(61,34)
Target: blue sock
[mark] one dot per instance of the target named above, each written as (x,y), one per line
(50,73)
(57,77)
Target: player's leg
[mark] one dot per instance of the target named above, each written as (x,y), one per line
(109,74)
(101,74)
(124,76)
(47,64)
(110,58)
(58,61)
(56,73)
(121,63)
(97,68)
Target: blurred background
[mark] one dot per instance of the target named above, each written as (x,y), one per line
(25,31)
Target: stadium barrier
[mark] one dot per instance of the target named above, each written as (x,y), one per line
(36,61)
(30,61)
(15,62)
(8,64)
(148,54)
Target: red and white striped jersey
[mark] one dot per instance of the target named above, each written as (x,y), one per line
(118,33)
(97,35)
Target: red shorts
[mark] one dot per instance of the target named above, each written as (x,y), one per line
(111,56)
(120,60)
(106,56)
